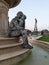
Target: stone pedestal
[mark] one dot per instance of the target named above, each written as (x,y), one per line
(3,18)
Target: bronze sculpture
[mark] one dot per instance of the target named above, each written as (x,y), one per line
(17,28)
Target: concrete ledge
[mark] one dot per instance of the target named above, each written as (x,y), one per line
(12,58)
(10,45)
(4,41)
(42,44)
(10,48)
(5,38)
(11,51)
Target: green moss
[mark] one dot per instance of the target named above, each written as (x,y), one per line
(44,38)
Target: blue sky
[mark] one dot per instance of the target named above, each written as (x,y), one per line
(33,9)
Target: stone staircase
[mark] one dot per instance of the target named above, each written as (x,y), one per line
(11,51)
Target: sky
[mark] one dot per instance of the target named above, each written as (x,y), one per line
(38,9)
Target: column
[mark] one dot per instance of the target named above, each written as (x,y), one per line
(3,18)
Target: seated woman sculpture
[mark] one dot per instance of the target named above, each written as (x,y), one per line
(17,28)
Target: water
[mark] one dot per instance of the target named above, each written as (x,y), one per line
(38,57)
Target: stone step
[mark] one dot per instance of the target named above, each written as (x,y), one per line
(10,48)
(4,40)
(13,57)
